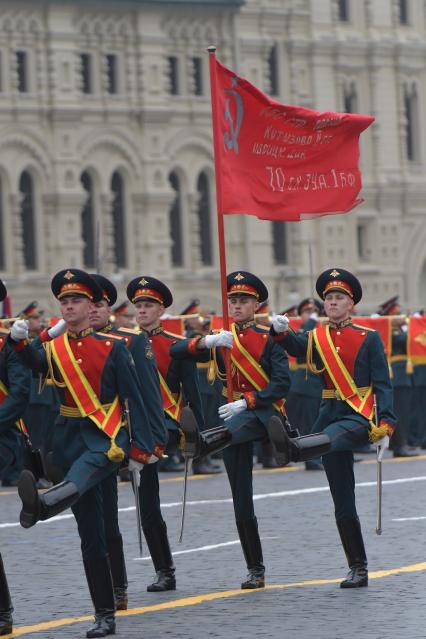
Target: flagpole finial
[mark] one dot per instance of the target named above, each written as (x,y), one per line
(211,49)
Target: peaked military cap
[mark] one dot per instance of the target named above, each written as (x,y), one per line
(109,292)
(307,303)
(263,310)
(390,306)
(3,291)
(245,283)
(338,279)
(147,287)
(291,311)
(30,310)
(122,309)
(193,308)
(73,281)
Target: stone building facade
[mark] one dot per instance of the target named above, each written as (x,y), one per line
(106,158)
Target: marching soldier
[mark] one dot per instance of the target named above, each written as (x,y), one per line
(401,379)
(354,370)
(304,399)
(178,384)
(210,393)
(94,375)
(43,405)
(146,367)
(260,382)
(14,389)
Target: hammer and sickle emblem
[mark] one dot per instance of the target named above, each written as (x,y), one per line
(231,136)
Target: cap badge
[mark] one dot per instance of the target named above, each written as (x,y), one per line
(239,277)
(143,282)
(68,275)
(334,273)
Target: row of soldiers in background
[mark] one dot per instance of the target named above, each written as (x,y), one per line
(303,401)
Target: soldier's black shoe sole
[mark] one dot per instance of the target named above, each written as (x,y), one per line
(189,427)
(27,491)
(280,440)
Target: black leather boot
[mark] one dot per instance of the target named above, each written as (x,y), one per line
(6,608)
(118,571)
(287,449)
(205,466)
(353,545)
(159,548)
(252,549)
(37,507)
(101,590)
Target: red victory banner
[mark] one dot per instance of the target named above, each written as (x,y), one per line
(282,162)
(173,325)
(416,343)
(276,161)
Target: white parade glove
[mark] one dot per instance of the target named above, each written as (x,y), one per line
(19,330)
(280,323)
(135,465)
(59,328)
(404,328)
(153,459)
(375,315)
(227,411)
(313,316)
(224,338)
(382,446)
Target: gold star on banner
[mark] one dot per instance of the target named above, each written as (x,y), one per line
(334,273)
(239,277)
(68,275)
(143,282)
(421,338)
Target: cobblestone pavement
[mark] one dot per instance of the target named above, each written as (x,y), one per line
(302,553)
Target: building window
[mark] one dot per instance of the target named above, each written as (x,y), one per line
(176,222)
(403,9)
(350,98)
(343,10)
(279,242)
(204,219)
(274,88)
(2,231)
(88,223)
(173,75)
(112,73)
(411,109)
(22,71)
(86,73)
(118,219)
(26,187)
(197,73)
(363,242)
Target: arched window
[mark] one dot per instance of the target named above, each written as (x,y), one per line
(273,69)
(88,233)
(412,132)
(2,230)
(176,222)
(279,242)
(26,187)
(118,219)
(350,98)
(204,219)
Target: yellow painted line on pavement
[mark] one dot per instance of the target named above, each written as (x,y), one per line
(210,596)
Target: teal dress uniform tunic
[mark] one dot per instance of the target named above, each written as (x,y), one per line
(249,425)
(304,399)
(16,379)
(362,353)
(79,446)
